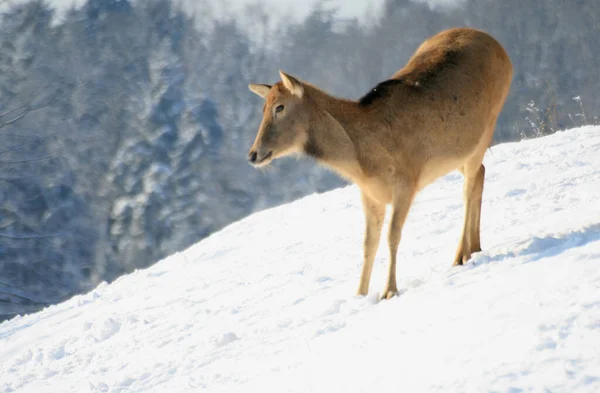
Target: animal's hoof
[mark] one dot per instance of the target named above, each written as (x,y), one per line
(461,260)
(362,292)
(389,293)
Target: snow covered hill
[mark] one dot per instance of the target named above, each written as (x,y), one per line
(268,303)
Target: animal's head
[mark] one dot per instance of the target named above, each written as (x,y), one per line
(284,126)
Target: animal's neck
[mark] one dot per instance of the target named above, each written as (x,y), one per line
(329,139)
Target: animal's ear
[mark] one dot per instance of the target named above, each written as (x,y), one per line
(292,84)
(260,90)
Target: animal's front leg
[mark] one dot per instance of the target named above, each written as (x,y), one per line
(374,215)
(402,200)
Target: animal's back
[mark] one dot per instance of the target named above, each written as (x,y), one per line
(454,56)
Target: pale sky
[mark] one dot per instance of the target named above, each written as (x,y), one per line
(362,9)
(299,8)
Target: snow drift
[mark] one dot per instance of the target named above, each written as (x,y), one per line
(268,303)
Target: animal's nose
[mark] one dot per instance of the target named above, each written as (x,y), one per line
(252,157)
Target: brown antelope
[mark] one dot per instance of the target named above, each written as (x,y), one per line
(435,115)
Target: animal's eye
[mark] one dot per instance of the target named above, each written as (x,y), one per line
(279,108)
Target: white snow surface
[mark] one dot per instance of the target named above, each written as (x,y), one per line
(268,304)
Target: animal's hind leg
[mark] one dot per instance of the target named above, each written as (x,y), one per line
(475,218)
(472,194)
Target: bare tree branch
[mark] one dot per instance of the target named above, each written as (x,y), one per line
(26,108)
(47,158)
(25,237)
(24,145)
(8,112)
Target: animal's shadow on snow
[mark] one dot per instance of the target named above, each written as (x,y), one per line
(537,248)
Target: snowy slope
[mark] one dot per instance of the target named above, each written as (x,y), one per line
(267,304)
